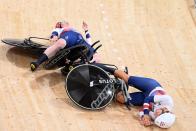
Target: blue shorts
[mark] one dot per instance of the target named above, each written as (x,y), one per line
(145,85)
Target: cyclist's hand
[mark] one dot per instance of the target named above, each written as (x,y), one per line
(146,120)
(84,26)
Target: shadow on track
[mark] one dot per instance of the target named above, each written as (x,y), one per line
(20,57)
(53,78)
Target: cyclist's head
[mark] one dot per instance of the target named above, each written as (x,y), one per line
(165,120)
(61,24)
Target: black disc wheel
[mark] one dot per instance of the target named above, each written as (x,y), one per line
(15,42)
(82,91)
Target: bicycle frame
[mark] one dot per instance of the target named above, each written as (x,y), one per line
(115,84)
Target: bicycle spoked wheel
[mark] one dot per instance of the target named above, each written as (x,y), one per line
(82,93)
(15,42)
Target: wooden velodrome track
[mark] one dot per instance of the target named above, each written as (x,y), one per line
(154,38)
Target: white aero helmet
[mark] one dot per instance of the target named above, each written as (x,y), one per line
(165,120)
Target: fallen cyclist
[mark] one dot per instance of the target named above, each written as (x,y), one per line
(157,104)
(64,36)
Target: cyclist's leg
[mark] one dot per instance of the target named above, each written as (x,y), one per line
(108,69)
(52,50)
(146,85)
(122,75)
(48,53)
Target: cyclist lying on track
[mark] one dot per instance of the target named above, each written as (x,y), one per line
(64,36)
(157,105)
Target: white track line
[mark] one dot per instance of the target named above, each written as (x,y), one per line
(109,34)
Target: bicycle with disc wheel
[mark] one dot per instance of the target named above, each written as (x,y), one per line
(90,87)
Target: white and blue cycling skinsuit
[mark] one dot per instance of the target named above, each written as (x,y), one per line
(72,38)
